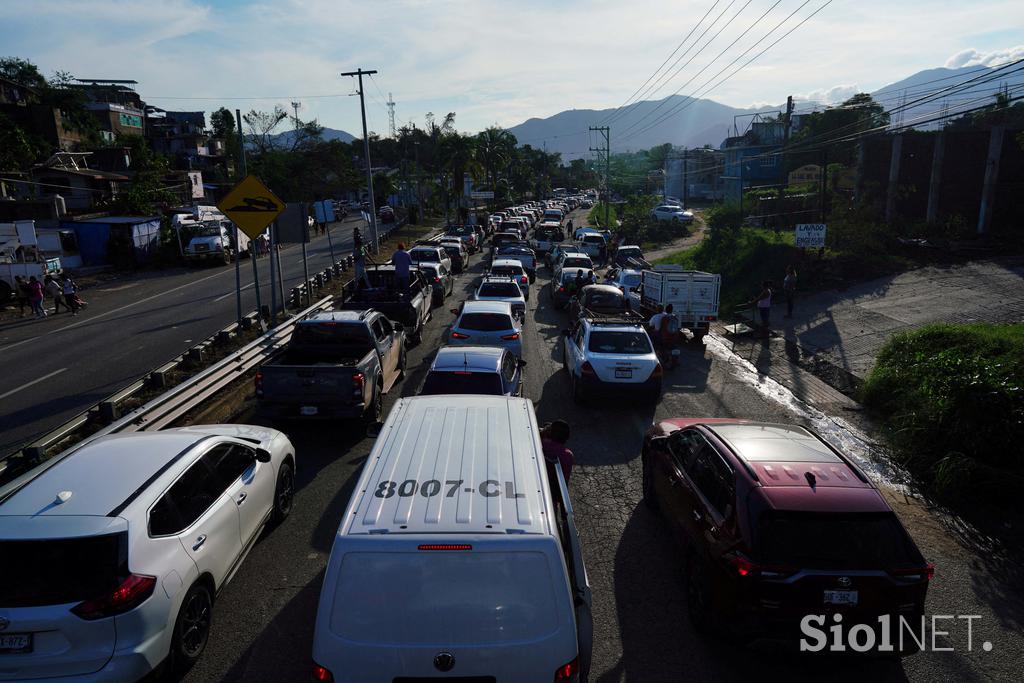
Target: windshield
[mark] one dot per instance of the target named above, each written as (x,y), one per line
(424,255)
(606,300)
(485,322)
(841,541)
(458,382)
(503,289)
(208,231)
(461,230)
(619,342)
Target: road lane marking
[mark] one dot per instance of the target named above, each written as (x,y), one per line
(37,380)
(231,293)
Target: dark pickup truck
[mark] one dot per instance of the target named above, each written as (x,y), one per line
(411,307)
(338,364)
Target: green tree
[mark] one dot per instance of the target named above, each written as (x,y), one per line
(22,72)
(147,191)
(17,151)
(494,147)
(222,123)
(856,115)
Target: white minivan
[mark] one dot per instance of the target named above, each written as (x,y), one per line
(458,555)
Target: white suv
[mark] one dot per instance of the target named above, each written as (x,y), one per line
(667,212)
(113,553)
(611,355)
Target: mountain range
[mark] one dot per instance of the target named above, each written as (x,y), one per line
(285,138)
(696,123)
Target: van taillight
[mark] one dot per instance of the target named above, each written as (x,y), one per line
(322,673)
(358,381)
(568,672)
(444,546)
(259,382)
(132,592)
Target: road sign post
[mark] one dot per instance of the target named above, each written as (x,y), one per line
(273,274)
(238,277)
(251,206)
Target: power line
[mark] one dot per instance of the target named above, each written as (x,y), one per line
(612,116)
(717,57)
(692,99)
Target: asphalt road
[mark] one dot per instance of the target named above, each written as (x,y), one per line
(54,368)
(264,619)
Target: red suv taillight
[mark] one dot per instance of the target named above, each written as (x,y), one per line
(568,672)
(132,592)
(926,572)
(745,567)
(322,673)
(459,335)
(258,380)
(524,280)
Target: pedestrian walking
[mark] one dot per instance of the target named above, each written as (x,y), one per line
(23,293)
(55,292)
(71,299)
(36,296)
(763,301)
(553,438)
(402,262)
(789,289)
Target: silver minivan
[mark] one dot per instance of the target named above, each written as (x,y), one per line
(458,556)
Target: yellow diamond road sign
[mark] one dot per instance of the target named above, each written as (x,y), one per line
(251,206)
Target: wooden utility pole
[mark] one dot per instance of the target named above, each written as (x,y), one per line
(359,73)
(605,132)
(988,191)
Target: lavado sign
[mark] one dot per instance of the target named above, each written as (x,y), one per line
(810,235)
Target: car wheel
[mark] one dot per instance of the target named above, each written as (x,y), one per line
(402,362)
(647,484)
(577,396)
(698,596)
(192,627)
(284,494)
(565,355)
(376,408)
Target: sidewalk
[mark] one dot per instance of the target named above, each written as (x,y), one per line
(838,334)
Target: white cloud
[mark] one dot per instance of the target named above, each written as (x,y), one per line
(972,57)
(833,95)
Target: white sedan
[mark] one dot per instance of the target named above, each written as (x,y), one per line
(666,212)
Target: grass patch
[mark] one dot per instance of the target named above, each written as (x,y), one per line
(953,400)
(596,216)
(856,250)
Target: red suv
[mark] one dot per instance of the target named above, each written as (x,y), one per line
(777,525)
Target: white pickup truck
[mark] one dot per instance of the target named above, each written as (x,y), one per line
(694,296)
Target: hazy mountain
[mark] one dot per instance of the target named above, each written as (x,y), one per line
(285,139)
(701,122)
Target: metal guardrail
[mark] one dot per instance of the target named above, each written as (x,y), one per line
(170,406)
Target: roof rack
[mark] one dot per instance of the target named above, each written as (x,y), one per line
(621,318)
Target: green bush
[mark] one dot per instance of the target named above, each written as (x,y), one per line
(953,399)
(596,216)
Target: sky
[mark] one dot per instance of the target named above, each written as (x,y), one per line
(498,62)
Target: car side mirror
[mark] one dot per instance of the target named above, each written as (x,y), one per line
(262,455)
(374,429)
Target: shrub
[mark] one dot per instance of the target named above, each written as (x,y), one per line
(953,400)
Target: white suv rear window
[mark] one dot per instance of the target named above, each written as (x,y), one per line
(445,598)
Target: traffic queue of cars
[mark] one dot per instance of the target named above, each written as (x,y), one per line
(457,555)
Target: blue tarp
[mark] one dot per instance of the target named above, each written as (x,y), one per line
(143,233)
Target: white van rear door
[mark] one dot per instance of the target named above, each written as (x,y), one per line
(501,613)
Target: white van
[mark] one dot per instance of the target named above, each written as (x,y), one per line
(457,554)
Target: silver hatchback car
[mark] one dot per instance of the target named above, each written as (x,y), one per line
(487,323)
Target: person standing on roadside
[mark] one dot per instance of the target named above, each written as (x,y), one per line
(70,295)
(763,301)
(402,263)
(36,296)
(553,438)
(23,293)
(55,292)
(789,289)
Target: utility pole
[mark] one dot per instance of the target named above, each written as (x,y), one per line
(295,108)
(686,178)
(359,73)
(787,125)
(392,131)
(606,133)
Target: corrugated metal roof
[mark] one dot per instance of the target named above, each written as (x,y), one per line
(454,464)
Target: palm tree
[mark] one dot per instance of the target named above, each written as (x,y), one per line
(494,149)
(457,159)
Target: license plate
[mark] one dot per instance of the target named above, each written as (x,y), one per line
(623,373)
(308,410)
(840,597)
(13,643)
